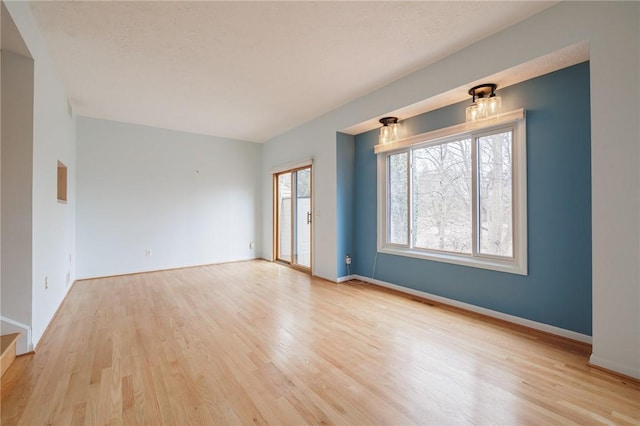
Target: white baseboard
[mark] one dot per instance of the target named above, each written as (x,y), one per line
(25,341)
(161,269)
(614,366)
(347,278)
(477,309)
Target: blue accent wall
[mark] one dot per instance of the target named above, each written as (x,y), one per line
(557,290)
(345,153)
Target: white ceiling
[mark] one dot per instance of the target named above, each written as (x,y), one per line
(250,70)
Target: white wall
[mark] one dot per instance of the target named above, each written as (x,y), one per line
(611,28)
(53,221)
(190,199)
(615,105)
(17,183)
(297,146)
(53,139)
(17,133)
(2,12)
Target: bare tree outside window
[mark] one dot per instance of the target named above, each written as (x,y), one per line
(399,198)
(495,186)
(442,197)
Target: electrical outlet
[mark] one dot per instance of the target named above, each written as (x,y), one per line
(148,252)
(46,283)
(347,260)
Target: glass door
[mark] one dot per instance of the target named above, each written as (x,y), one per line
(293,217)
(283,242)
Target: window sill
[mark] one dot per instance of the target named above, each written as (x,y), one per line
(493,264)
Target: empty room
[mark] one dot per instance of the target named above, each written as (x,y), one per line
(320,212)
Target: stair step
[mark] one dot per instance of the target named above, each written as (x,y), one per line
(8,353)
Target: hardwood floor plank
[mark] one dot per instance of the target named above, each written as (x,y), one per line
(259,343)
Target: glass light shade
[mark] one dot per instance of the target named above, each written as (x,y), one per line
(390,130)
(494,105)
(385,135)
(394,132)
(483,106)
(472,112)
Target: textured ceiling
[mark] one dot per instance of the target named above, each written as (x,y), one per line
(250,70)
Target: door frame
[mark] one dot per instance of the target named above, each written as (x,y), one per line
(276,212)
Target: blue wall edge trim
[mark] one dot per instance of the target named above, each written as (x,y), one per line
(568,334)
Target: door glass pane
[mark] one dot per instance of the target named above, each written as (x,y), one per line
(302,240)
(398,214)
(284,216)
(442,197)
(495,187)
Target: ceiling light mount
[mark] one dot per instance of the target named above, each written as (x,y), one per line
(485,103)
(482,90)
(386,121)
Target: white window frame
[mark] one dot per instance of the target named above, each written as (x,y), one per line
(517,264)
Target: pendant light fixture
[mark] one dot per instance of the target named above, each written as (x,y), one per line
(389,132)
(485,102)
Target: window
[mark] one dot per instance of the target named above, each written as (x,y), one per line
(458,198)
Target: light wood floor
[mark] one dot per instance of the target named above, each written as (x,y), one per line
(256,342)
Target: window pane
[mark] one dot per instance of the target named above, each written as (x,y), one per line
(398,213)
(302,223)
(303,180)
(284,216)
(442,197)
(495,183)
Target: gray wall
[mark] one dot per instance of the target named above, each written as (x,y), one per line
(17,183)
(189,199)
